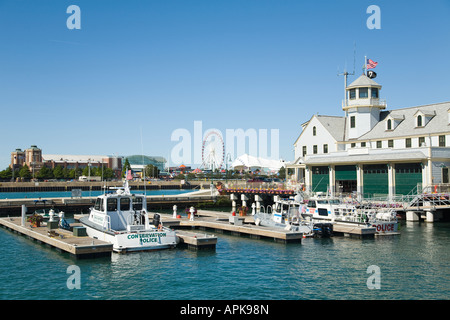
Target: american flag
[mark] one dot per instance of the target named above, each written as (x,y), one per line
(129,176)
(371,64)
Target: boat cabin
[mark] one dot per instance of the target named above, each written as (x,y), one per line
(120,209)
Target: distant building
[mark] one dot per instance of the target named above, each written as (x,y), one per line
(372,151)
(32,157)
(138,162)
(35,160)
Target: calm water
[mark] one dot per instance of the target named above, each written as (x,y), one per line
(414,265)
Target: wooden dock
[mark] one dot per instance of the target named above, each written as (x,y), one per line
(196,240)
(62,240)
(356,231)
(219,222)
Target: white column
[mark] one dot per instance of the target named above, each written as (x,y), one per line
(430,216)
(24,211)
(391,180)
(332,180)
(412,216)
(359,181)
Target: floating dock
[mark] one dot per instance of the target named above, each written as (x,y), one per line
(219,222)
(355,231)
(62,240)
(196,240)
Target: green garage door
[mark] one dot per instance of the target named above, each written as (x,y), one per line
(407,176)
(345,177)
(320,179)
(376,180)
(345,173)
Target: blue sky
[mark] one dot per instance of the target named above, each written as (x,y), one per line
(156,66)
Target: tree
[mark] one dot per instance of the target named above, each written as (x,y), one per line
(151,171)
(108,173)
(6,174)
(58,172)
(45,173)
(282,173)
(126,166)
(24,172)
(75,173)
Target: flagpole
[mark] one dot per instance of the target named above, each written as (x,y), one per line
(365,65)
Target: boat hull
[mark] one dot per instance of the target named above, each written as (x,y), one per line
(123,242)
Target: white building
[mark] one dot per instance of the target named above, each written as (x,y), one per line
(371,150)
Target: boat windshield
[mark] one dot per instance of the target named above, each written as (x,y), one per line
(335,201)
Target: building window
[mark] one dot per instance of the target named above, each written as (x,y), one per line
(352,94)
(353,145)
(363,144)
(352,122)
(390,143)
(379,144)
(441,141)
(314,131)
(408,142)
(304,151)
(419,121)
(374,92)
(445,175)
(389,124)
(315,149)
(325,148)
(363,92)
(421,141)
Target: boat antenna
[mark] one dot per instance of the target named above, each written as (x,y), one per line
(346,73)
(143,164)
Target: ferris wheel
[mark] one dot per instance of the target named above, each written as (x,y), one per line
(213,151)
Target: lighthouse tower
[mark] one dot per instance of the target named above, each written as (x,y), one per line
(362,106)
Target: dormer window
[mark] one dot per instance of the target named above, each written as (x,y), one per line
(422,118)
(389,124)
(419,121)
(392,121)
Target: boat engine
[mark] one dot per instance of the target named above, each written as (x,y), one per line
(323,230)
(156,219)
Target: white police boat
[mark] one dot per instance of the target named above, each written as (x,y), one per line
(121,218)
(331,209)
(289,214)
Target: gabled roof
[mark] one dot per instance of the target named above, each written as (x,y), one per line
(333,124)
(407,127)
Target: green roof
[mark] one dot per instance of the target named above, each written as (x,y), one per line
(145,160)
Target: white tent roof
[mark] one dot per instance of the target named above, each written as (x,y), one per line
(248,161)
